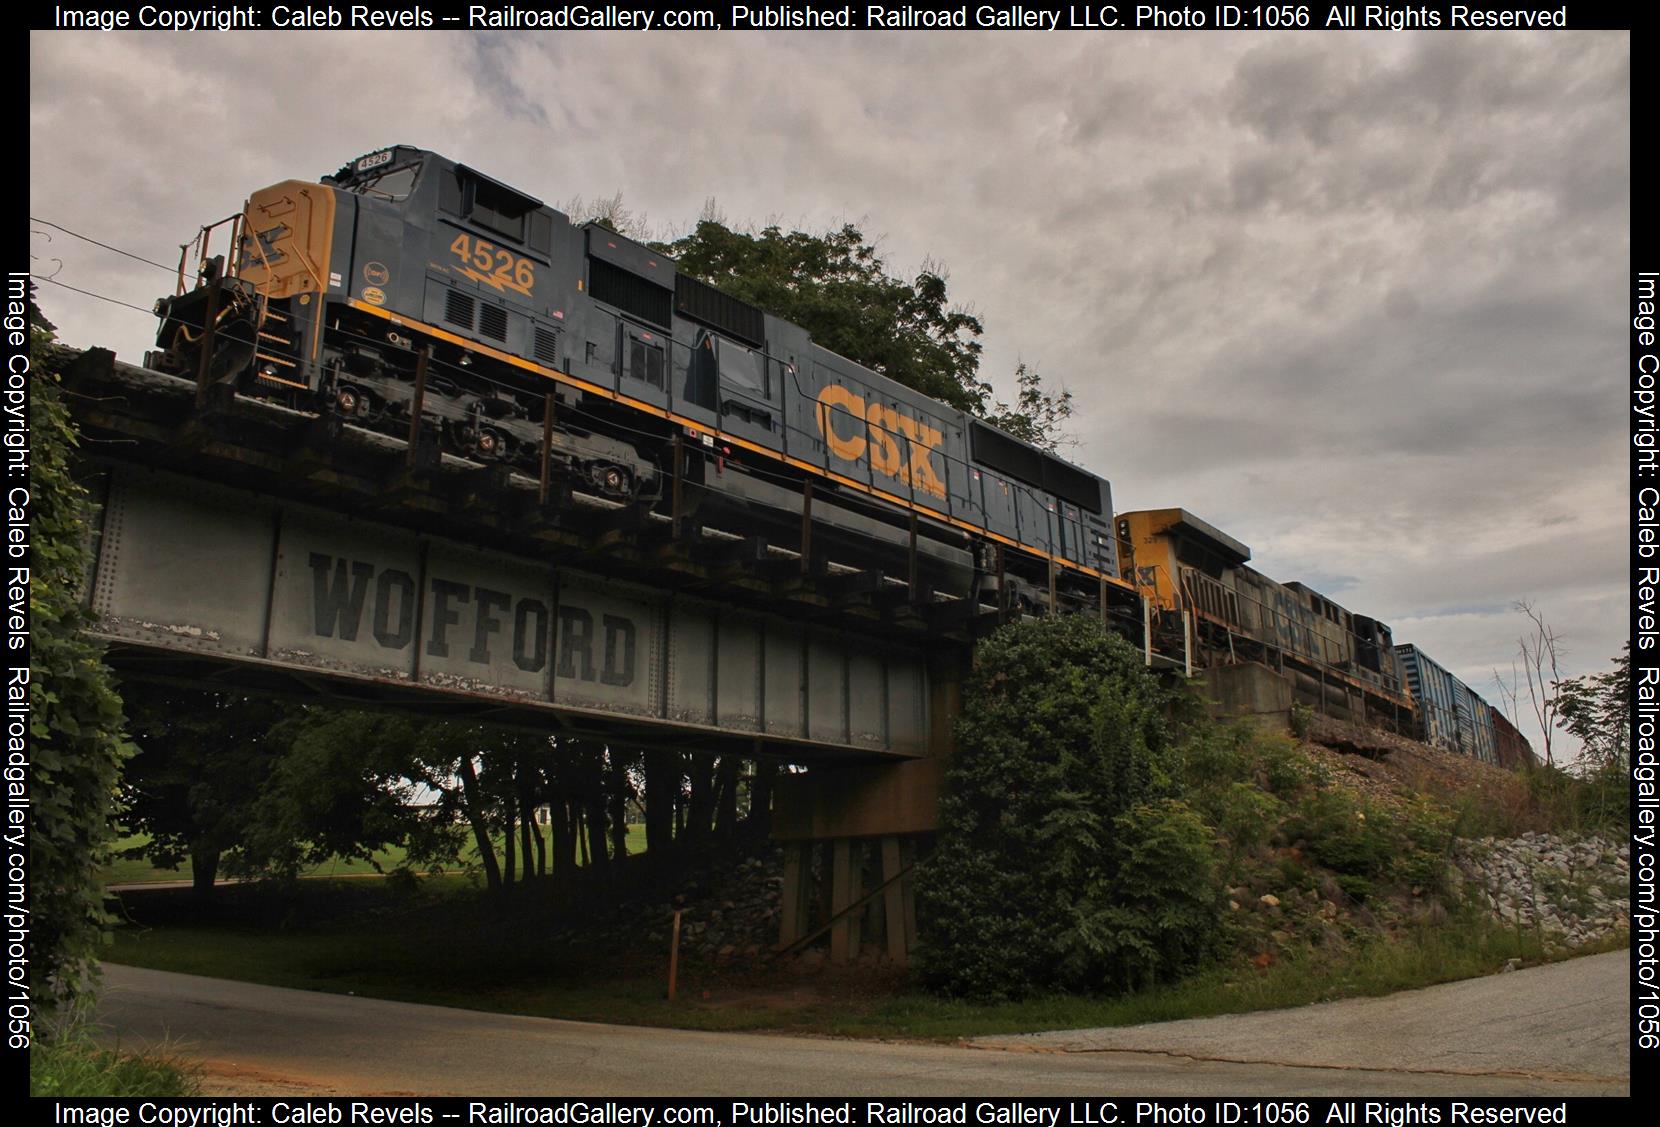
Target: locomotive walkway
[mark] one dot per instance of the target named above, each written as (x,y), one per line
(1552,1031)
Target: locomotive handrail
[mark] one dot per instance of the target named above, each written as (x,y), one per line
(202,241)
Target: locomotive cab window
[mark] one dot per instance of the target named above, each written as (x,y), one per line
(643,358)
(745,369)
(745,383)
(394,184)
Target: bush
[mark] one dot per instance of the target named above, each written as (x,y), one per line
(1217,755)
(1064,734)
(1427,832)
(1281,768)
(75,726)
(1301,720)
(1245,816)
(1343,834)
(1163,912)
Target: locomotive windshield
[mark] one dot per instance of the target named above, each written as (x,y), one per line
(395,184)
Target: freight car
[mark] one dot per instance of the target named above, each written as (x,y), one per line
(1197,579)
(417,296)
(1456,717)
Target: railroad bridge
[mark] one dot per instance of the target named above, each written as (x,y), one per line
(243,545)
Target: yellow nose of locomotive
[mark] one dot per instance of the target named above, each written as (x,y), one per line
(287,238)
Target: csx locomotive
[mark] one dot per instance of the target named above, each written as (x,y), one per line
(1334,659)
(408,283)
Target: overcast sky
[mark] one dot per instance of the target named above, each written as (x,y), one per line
(1355,298)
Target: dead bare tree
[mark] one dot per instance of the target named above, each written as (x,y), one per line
(1508,692)
(1538,653)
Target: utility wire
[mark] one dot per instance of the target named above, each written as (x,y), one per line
(89,293)
(106,246)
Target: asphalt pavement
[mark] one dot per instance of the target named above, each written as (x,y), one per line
(1558,1030)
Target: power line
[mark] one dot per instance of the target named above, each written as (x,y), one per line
(89,293)
(106,246)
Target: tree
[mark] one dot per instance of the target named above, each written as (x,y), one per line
(1067,757)
(1038,416)
(194,785)
(836,287)
(610,213)
(75,729)
(344,785)
(1537,650)
(1594,709)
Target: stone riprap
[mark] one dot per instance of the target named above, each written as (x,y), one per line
(1572,890)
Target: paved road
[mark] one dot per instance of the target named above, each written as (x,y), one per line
(1564,1020)
(1554,1031)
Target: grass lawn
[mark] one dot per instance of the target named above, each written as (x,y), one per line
(137,870)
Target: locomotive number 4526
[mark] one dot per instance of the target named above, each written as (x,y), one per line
(486,263)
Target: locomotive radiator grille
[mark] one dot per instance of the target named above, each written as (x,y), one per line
(458,309)
(492,321)
(546,345)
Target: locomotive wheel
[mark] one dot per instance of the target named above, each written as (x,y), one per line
(490,444)
(348,400)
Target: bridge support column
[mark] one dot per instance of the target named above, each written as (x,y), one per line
(879,817)
(898,902)
(861,895)
(846,871)
(796,908)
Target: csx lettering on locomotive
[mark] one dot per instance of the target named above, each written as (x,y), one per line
(879,439)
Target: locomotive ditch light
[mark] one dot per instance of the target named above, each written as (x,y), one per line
(466,360)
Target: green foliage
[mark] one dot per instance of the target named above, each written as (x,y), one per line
(1245,815)
(836,287)
(1302,720)
(72,1064)
(1593,708)
(75,730)
(1038,416)
(1427,836)
(1366,846)
(195,783)
(346,786)
(1342,833)
(1217,754)
(1161,915)
(1064,734)
(1281,768)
